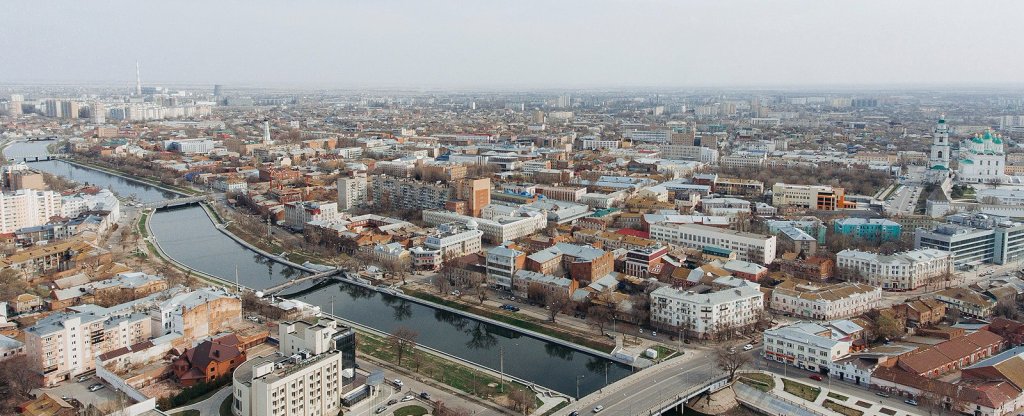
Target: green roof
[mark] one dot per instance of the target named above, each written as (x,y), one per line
(939,167)
(967,161)
(977,140)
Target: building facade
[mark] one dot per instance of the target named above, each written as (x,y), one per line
(898,272)
(747,246)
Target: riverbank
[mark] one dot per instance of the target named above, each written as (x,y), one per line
(82,163)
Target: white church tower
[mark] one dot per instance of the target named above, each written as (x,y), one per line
(939,159)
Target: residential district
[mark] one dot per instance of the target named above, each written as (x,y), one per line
(806,253)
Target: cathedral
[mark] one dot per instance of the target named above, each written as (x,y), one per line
(982,159)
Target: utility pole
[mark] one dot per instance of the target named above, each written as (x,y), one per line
(501,369)
(238,288)
(578,387)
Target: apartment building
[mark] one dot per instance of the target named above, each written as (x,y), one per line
(562,193)
(873,229)
(64,345)
(897,272)
(974,239)
(455,239)
(641,260)
(747,246)
(807,345)
(27,208)
(304,377)
(297,214)
(816,197)
(389,191)
(352,191)
(706,314)
(805,299)
(702,154)
(502,264)
(542,287)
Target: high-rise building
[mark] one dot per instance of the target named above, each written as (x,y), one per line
(564,101)
(351,191)
(305,376)
(52,108)
(27,208)
(217,90)
(14,108)
(138,80)
(98,113)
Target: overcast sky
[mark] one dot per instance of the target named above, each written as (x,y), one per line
(500,44)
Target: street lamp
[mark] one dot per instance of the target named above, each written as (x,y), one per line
(578,386)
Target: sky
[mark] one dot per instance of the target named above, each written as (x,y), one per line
(514,44)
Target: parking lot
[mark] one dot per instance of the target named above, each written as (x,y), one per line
(80,391)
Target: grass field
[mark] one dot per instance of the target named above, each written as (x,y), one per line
(758,381)
(800,390)
(837,396)
(843,410)
(411,410)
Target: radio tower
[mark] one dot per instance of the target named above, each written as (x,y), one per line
(138,80)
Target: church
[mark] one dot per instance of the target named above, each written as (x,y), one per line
(982,159)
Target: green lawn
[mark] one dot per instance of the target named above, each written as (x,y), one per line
(225,407)
(763,382)
(142,225)
(837,396)
(800,390)
(843,410)
(187,413)
(511,320)
(664,352)
(411,410)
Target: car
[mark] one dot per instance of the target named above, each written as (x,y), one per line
(911,402)
(748,347)
(83,378)
(880,394)
(398,382)
(654,333)
(407,398)
(731,350)
(686,341)
(814,377)
(598,408)
(574,413)
(425,396)
(381,409)
(392,402)
(96,387)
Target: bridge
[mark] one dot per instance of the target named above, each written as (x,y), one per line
(323,275)
(658,389)
(40,158)
(175,202)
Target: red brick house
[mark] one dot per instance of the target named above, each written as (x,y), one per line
(208,361)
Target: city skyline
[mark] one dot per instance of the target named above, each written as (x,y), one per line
(570,44)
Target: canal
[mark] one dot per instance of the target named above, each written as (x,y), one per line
(188,235)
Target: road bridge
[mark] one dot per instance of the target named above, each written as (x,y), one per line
(175,202)
(40,158)
(323,275)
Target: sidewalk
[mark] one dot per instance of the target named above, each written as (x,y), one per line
(869,407)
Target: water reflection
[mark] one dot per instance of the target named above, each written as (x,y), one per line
(559,351)
(481,337)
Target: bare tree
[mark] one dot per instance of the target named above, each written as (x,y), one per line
(403,338)
(521,399)
(16,381)
(555,304)
(730,360)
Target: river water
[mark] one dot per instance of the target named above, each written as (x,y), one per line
(188,235)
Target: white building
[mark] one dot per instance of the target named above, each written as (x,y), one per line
(982,159)
(303,378)
(702,154)
(825,302)
(496,228)
(297,214)
(27,208)
(455,239)
(352,191)
(899,272)
(502,265)
(595,143)
(750,247)
(705,315)
(189,146)
(806,345)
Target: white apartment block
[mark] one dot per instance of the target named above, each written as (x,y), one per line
(595,143)
(404,193)
(682,152)
(750,247)
(820,197)
(501,266)
(705,314)
(455,239)
(351,191)
(826,302)
(898,272)
(27,208)
(297,214)
(496,229)
(303,378)
(806,345)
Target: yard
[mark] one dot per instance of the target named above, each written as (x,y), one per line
(800,390)
(763,382)
(843,410)
(411,410)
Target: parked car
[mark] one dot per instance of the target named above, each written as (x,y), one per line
(574,413)
(95,387)
(598,408)
(748,347)
(392,401)
(425,396)
(381,409)
(407,398)
(880,394)
(397,382)
(83,378)
(814,377)
(911,402)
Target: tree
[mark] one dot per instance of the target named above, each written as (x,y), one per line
(600,316)
(16,381)
(403,338)
(521,399)
(888,328)
(556,303)
(1006,308)
(730,360)
(11,284)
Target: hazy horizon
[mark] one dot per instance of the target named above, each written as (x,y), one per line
(505,45)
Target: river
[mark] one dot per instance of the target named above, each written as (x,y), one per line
(188,235)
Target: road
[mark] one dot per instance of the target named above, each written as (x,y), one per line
(904,201)
(415,387)
(637,393)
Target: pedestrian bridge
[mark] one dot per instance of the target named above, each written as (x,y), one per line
(175,202)
(39,158)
